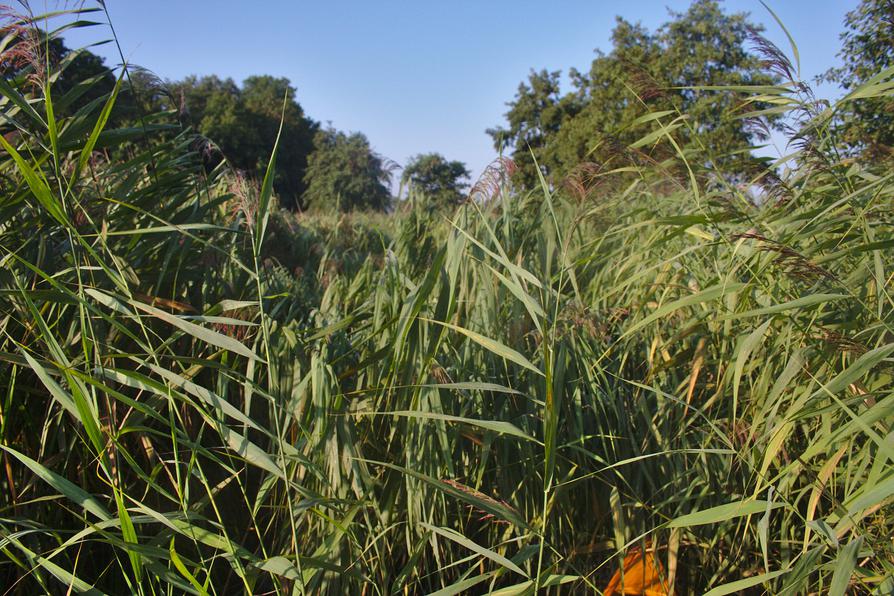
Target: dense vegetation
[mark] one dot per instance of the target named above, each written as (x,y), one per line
(673,69)
(675,362)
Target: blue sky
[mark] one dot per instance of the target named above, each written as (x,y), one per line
(415,76)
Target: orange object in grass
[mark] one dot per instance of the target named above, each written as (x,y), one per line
(643,576)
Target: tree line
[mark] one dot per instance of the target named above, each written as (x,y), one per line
(672,71)
(318,167)
(547,132)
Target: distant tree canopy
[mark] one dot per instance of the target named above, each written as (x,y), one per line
(244,121)
(80,66)
(666,72)
(644,72)
(344,174)
(867,50)
(441,181)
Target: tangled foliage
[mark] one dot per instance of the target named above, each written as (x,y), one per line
(684,375)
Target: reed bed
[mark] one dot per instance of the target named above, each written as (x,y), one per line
(666,362)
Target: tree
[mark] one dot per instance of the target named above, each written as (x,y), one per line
(867,49)
(644,72)
(535,117)
(343,173)
(442,182)
(706,47)
(263,99)
(615,92)
(244,122)
(214,107)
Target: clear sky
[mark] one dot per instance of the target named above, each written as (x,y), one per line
(414,76)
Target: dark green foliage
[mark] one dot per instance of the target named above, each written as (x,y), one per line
(867,50)
(644,71)
(442,182)
(535,117)
(264,99)
(78,75)
(243,123)
(81,65)
(344,174)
